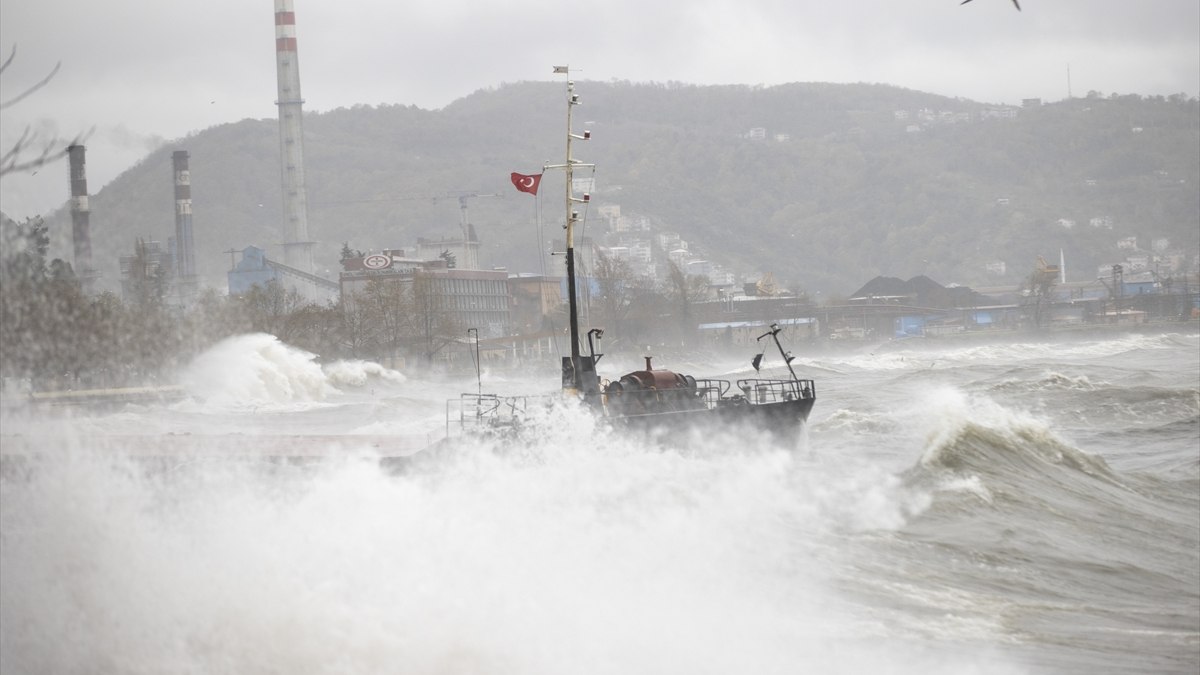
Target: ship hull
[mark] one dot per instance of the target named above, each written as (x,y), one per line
(782,418)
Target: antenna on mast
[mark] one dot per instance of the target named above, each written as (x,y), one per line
(574,366)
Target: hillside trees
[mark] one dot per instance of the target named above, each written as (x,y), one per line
(861,193)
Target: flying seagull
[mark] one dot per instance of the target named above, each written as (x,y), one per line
(1015,4)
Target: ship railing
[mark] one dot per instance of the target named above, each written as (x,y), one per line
(713,389)
(774,391)
(703,395)
(486,412)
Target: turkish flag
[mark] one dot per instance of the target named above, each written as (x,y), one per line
(526,183)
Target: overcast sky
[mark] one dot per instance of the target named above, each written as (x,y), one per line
(141,73)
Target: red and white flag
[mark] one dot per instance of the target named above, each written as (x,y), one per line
(526,183)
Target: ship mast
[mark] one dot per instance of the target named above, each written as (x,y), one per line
(577,368)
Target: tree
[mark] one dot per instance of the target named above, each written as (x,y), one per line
(359,331)
(213,317)
(31,151)
(39,303)
(644,322)
(349,253)
(387,307)
(436,327)
(24,247)
(684,290)
(1036,291)
(316,328)
(57,337)
(269,306)
(617,288)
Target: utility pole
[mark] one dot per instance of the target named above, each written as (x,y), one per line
(1118,284)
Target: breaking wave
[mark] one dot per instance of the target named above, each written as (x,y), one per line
(561,556)
(356,373)
(949,522)
(259,372)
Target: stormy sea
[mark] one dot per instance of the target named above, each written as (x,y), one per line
(1031,506)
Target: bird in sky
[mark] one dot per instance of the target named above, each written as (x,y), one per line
(1015,4)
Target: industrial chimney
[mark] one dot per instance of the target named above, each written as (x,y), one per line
(297,249)
(80,212)
(185,256)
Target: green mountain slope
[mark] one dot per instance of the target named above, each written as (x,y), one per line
(838,191)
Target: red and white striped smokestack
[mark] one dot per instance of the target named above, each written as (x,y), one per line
(185,256)
(297,249)
(80,211)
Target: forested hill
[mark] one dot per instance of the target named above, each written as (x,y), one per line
(848,182)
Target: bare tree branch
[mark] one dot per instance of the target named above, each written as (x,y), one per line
(14,159)
(25,94)
(11,56)
(51,150)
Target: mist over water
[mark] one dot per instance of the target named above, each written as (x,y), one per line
(984,509)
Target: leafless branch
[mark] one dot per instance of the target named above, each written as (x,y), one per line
(52,149)
(15,159)
(25,94)
(11,56)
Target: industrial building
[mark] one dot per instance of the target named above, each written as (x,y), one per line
(468,298)
(255,268)
(152,270)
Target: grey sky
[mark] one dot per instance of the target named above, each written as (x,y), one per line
(140,72)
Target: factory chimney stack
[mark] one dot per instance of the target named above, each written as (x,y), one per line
(80,211)
(297,249)
(185,256)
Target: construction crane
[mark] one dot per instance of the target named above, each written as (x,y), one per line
(766,286)
(463,197)
(462,205)
(1037,289)
(1043,278)
(468,232)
